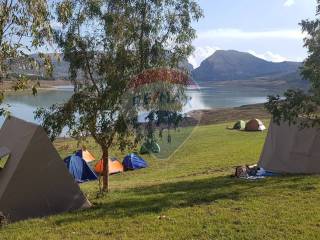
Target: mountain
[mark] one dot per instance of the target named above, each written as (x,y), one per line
(234,65)
(185,65)
(22,66)
(61,68)
(228,67)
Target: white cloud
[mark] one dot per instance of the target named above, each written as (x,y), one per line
(232,33)
(200,54)
(269,56)
(289,3)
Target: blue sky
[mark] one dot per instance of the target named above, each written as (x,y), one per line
(266,28)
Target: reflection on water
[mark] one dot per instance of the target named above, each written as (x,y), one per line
(23,105)
(228,96)
(43,99)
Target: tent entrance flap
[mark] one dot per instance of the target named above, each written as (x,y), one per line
(4,156)
(4,151)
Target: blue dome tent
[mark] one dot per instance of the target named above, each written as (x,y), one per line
(133,162)
(79,169)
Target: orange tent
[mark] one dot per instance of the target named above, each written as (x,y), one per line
(86,155)
(255,125)
(114,167)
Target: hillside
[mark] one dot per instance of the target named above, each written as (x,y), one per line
(22,66)
(234,65)
(61,68)
(190,196)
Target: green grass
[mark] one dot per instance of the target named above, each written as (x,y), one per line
(194,191)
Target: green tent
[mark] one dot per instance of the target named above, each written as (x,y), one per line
(148,147)
(240,125)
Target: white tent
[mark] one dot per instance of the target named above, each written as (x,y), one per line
(290,149)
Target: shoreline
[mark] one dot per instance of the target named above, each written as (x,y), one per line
(44,85)
(219,116)
(230,114)
(194,117)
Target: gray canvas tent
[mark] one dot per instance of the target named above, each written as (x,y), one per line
(34,181)
(289,149)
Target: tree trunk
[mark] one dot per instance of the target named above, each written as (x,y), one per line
(105,159)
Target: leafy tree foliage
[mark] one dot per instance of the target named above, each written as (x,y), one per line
(24,26)
(122,54)
(298,104)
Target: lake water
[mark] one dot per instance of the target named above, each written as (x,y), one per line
(23,105)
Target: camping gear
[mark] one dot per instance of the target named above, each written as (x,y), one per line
(262,172)
(148,147)
(133,162)
(255,177)
(79,169)
(241,172)
(3,220)
(290,149)
(255,125)
(34,182)
(240,125)
(85,155)
(245,171)
(252,172)
(115,166)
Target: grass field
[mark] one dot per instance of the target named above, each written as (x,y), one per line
(195,196)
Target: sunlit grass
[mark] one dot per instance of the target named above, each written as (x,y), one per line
(189,196)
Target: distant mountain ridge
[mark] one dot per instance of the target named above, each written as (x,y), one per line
(234,65)
(223,66)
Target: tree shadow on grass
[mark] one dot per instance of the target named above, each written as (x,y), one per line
(155,199)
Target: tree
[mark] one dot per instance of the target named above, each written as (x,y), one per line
(122,54)
(297,104)
(24,26)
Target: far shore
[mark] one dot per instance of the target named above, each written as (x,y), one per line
(44,85)
(224,115)
(221,115)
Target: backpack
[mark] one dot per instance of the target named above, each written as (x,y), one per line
(241,172)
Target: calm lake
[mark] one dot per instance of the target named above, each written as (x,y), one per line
(23,105)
